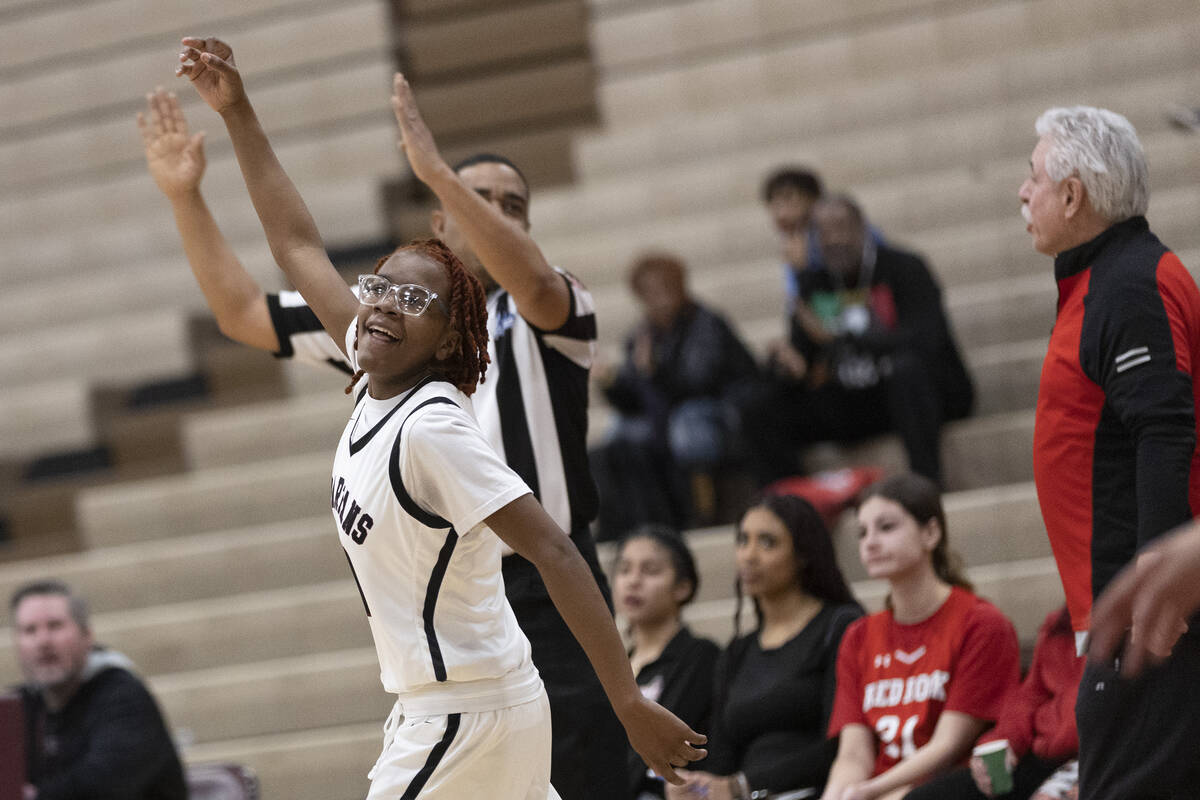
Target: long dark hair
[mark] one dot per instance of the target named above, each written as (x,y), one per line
(818,572)
(922,499)
(680,554)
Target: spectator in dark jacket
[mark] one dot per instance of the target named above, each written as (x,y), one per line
(870,351)
(678,397)
(93,730)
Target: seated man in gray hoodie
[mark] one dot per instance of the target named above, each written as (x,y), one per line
(92,728)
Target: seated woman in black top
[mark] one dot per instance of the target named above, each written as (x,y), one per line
(775,686)
(655,578)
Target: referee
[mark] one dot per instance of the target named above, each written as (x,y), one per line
(532,405)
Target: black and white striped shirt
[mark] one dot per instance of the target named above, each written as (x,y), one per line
(532,405)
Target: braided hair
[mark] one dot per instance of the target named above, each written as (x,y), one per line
(467,302)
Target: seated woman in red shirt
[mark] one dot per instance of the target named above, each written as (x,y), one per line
(1038,721)
(918,682)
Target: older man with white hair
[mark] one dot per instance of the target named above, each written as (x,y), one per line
(1115,456)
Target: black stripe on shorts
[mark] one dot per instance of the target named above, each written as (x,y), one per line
(435,758)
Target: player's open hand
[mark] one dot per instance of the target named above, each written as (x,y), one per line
(174,157)
(208,64)
(662,740)
(415,138)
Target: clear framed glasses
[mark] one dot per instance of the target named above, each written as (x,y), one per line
(410,298)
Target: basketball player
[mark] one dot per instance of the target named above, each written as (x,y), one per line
(533,410)
(417,492)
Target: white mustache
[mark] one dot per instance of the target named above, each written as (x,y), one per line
(1026,214)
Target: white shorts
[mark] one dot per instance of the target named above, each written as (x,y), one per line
(502,754)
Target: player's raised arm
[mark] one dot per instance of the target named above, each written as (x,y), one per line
(504,248)
(175,160)
(662,740)
(295,242)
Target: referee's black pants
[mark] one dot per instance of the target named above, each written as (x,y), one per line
(588,756)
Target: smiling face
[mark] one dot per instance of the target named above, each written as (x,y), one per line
(767,562)
(396,350)
(51,647)
(891,543)
(503,188)
(646,587)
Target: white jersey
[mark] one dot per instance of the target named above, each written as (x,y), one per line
(532,405)
(413,480)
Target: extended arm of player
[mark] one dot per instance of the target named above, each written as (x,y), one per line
(507,251)
(662,740)
(175,159)
(295,242)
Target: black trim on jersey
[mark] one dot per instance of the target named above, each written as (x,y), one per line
(514,428)
(435,757)
(438,573)
(583,327)
(289,321)
(406,502)
(431,595)
(568,399)
(356,446)
(566,388)
(354,573)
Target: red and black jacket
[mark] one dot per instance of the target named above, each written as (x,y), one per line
(1114,452)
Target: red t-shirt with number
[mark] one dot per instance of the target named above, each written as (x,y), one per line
(898,679)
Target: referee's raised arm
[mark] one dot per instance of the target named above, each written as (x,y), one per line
(175,159)
(493,221)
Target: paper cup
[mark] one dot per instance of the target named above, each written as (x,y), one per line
(995,758)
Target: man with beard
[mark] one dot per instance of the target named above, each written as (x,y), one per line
(92,728)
